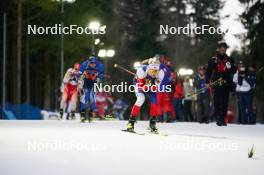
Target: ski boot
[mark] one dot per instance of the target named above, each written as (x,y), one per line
(83,117)
(89,118)
(73,116)
(61,114)
(221,121)
(152,125)
(130,125)
(67,116)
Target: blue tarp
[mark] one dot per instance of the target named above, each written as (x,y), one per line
(23,111)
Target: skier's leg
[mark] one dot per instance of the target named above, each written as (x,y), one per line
(135,110)
(160,100)
(167,106)
(92,97)
(84,100)
(153,111)
(63,103)
(136,107)
(73,103)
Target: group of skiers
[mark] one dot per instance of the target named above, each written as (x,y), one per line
(216,79)
(79,82)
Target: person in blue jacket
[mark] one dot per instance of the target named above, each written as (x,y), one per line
(203,98)
(245,81)
(91,72)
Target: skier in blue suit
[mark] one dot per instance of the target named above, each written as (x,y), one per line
(91,72)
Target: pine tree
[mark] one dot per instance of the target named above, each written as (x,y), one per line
(174,15)
(205,12)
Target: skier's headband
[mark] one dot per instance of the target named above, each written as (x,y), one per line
(154,66)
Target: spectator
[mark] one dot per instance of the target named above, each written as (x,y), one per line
(245,83)
(240,64)
(220,67)
(177,99)
(187,105)
(203,97)
(119,108)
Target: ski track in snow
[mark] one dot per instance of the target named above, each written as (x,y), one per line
(99,148)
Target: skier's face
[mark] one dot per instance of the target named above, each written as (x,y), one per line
(152,72)
(222,50)
(76,67)
(201,72)
(92,64)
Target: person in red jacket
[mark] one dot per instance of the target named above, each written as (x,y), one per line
(102,102)
(177,98)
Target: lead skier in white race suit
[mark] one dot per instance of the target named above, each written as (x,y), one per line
(148,81)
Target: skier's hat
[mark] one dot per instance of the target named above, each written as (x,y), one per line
(222,43)
(202,67)
(154,63)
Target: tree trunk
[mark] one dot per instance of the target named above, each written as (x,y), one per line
(18,52)
(47,86)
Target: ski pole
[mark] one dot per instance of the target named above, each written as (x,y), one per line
(124,69)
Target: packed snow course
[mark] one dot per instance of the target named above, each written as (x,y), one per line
(101,148)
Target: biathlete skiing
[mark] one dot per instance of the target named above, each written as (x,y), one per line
(91,72)
(149,79)
(69,92)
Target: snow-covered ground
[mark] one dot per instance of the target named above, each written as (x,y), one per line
(68,147)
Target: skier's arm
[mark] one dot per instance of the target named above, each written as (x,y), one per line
(161,78)
(82,69)
(140,78)
(65,80)
(66,76)
(80,77)
(100,71)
